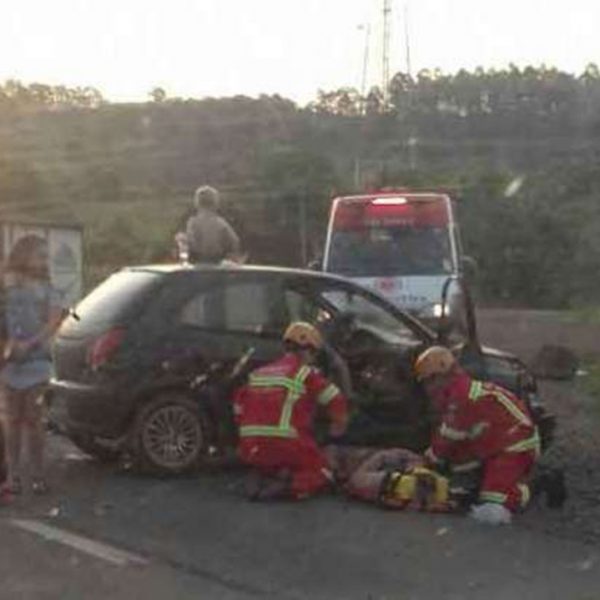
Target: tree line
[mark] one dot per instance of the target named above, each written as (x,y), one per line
(518,147)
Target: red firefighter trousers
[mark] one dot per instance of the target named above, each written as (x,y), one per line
(301,457)
(505,479)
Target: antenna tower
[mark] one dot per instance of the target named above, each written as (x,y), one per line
(407,39)
(387,19)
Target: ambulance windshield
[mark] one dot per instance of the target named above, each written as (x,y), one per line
(391,250)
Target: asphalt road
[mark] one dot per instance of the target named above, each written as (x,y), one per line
(117,535)
(197,538)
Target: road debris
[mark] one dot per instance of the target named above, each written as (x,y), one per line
(587,564)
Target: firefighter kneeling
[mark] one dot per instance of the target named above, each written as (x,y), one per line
(481,427)
(275,412)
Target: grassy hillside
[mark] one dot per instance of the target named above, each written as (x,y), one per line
(519,148)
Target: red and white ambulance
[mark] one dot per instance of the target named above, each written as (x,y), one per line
(403,244)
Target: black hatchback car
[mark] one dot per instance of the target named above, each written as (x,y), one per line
(135,359)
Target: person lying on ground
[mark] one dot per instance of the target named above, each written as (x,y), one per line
(393,478)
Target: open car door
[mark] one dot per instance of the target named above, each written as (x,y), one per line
(378,345)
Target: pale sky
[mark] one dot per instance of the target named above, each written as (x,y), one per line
(198,48)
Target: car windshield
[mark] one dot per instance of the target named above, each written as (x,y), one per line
(372,315)
(385,251)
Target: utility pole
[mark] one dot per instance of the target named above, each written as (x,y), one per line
(365,67)
(407,40)
(387,17)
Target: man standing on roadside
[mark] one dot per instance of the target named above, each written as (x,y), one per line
(210,238)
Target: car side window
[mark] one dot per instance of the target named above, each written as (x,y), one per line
(300,307)
(235,306)
(197,313)
(370,314)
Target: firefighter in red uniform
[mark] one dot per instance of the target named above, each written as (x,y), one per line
(275,412)
(482,426)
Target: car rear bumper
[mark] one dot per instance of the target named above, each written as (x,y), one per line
(92,410)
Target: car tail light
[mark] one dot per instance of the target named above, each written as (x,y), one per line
(104,348)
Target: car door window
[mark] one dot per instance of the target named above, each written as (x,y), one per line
(370,314)
(300,307)
(320,304)
(235,306)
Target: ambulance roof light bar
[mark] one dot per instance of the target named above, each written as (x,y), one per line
(395,201)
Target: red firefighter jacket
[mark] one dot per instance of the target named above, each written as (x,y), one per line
(480,420)
(280,400)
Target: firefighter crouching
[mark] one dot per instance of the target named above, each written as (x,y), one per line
(481,426)
(275,412)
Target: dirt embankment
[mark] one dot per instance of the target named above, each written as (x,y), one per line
(577,445)
(524,332)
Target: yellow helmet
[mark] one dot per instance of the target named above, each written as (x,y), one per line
(304,335)
(436,360)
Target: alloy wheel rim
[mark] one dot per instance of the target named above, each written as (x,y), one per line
(172,437)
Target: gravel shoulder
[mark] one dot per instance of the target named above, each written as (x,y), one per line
(577,445)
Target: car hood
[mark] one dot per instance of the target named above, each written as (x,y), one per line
(495,353)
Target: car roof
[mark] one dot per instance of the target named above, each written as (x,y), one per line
(180,268)
(236,268)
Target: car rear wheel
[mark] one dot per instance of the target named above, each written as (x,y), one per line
(169,435)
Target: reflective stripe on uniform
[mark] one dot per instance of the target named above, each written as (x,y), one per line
(478,429)
(531,443)
(477,391)
(268,381)
(459,435)
(293,396)
(496,497)
(328,394)
(455,435)
(525,494)
(295,388)
(465,467)
(267,431)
